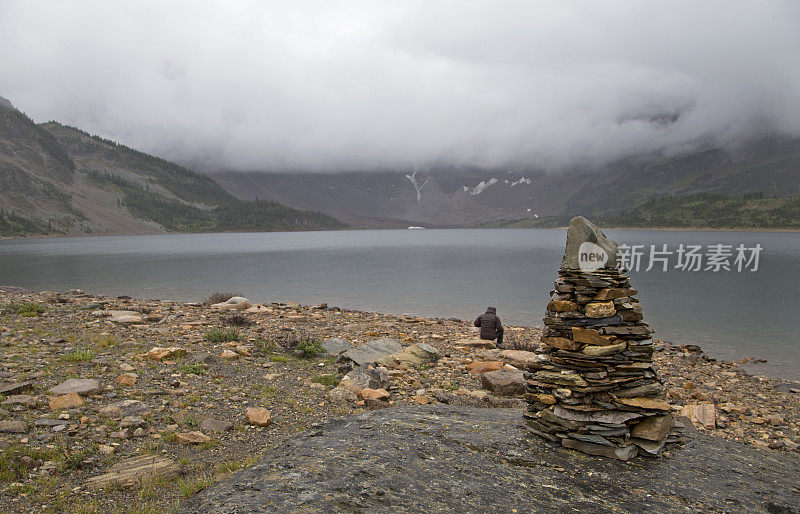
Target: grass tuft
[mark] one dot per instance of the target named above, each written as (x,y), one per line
(222,335)
(192,369)
(78,356)
(238,320)
(326,380)
(219,297)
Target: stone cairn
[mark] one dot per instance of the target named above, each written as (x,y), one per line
(594,388)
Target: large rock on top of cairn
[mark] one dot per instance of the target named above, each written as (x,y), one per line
(595,389)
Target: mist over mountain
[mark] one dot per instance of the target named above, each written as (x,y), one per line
(358,86)
(470,196)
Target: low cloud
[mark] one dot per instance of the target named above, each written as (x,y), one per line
(364,85)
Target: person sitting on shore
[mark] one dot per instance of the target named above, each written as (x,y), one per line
(490,325)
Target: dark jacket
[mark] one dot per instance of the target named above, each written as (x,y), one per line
(489,323)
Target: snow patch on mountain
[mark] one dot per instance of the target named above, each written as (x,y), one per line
(482,186)
(417,187)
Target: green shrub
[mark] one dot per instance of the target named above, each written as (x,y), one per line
(26,309)
(265,347)
(192,369)
(326,380)
(310,348)
(78,356)
(222,335)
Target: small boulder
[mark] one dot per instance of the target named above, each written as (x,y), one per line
(125,317)
(160,354)
(237,303)
(126,379)
(373,394)
(363,377)
(703,414)
(504,382)
(229,355)
(481,367)
(341,396)
(215,425)
(258,416)
(119,410)
(82,386)
(66,401)
(193,437)
(520,359)
(377,351)
(13,426)
(336,346)
(417,354)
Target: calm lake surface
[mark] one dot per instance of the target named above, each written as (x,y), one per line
(447,273)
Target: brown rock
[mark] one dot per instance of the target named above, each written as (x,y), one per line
(258,416)
(562,306)
(65,401)
(562,343)
(193,437)
(569,379)
(160,354)
(373,394)
(598,351)
(703,414)
(613,293)
(547,399)
(591,336)
(774,419)
(600,309)
(422,399)
(481,367)
(229,355)
(520,359)
(644,403)
(13,426)
(126,379)
(654,428)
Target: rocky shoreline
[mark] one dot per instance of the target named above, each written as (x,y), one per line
(90,384)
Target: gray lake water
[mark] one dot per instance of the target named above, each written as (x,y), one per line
(447,273)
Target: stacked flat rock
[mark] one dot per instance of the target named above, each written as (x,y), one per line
(595,389)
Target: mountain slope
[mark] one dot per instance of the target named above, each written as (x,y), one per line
(467,197)
(60,180)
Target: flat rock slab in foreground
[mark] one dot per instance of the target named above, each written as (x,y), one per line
(445,458)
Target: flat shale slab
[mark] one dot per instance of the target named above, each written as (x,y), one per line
(441,458)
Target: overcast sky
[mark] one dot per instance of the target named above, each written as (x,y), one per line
(343,85)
